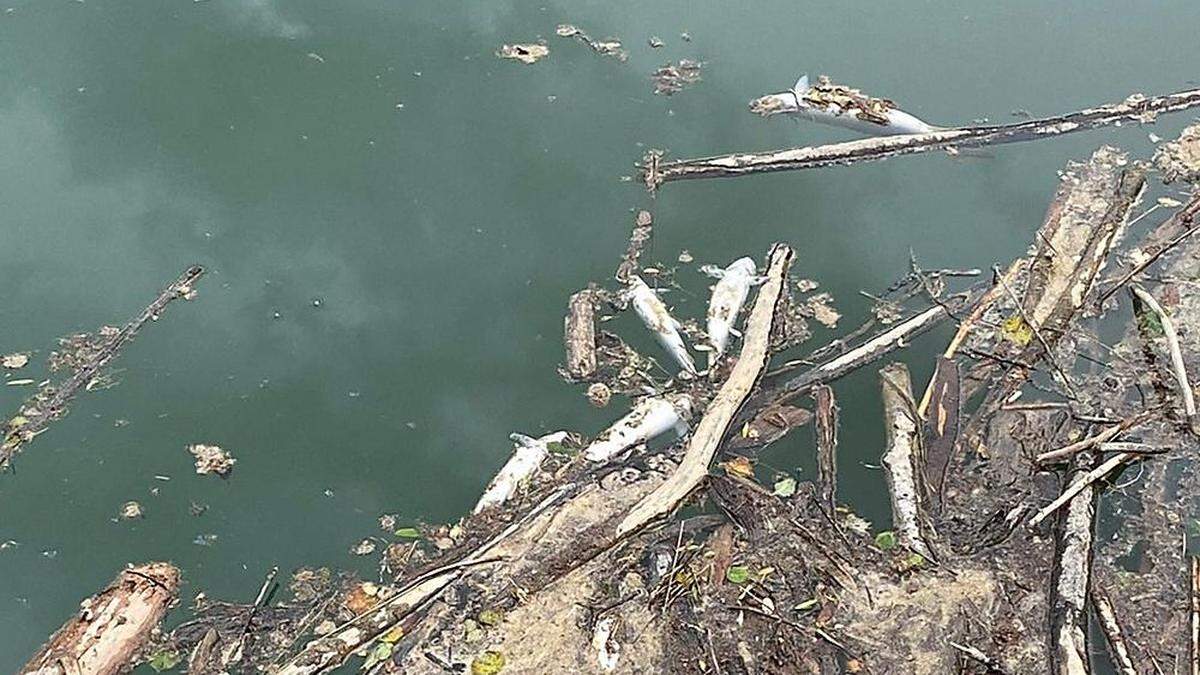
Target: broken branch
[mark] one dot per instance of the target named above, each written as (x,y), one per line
(1181,377)
(902,459)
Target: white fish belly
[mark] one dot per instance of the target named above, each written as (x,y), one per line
(651,417)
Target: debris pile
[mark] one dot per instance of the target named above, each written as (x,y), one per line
(673,78)
(529,53)
(212,459)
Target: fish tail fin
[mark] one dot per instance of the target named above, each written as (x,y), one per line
(802,86)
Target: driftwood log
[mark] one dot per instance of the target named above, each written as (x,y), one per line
(111,627)
(1135,108)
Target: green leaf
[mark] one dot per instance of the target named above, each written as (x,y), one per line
(491,617)
(1014,329)
(381,652)
(1150,323)
(408,533)
(785,487)
(487,663)
(165,659)
(913,561)
(737,574)
(886,540)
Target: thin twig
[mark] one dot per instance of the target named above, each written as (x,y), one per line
(1078,486)
(1177,365)
(1037,333)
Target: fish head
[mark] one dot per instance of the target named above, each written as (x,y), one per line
(745,266)
(789,101)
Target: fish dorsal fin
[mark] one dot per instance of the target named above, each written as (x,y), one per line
(801,87)
(712,271)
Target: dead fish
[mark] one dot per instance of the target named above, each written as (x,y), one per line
(728,296)
(649,418)
(653,312)
(840,106)
(528,455)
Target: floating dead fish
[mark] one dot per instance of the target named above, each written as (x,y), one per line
(528,455)
(525,53)
(840,106)
(649,418)
(653,312)
(728,296)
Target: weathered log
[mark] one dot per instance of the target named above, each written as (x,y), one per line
(579,335)
(1069,649)
(1170,234)
(39,412)
(1194,623)
(111,627)
(1118,650)
(941,427)
(712,428)
(1136,108)
(827,442)
(902,461)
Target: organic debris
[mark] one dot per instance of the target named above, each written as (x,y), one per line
(607,47)
(1179,160)
(826,94)
(130,510)
(673,78)
(212,459)
(525,53)
(15,361)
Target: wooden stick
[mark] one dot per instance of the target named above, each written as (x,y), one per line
(827,442)
(111,627)
(38,414)
(579,335)
(1177,365)
(1082,482)
(974,654)
(901,459)
(711,430)
(1134,108)
(1118,650)
(1068,451)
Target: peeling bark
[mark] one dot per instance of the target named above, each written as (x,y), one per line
(579,335)
(111,626)
(902,461)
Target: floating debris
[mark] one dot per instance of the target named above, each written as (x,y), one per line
(821,306)
(673,78)
(130,510)
(205,539)
(841,106)
(525,53)
(599,394)
(20,383)
(364,547)
(607,47)
(1180,159)
(685,257)
(212,459)
(197,509)
(388,522)
(316,57)
(655,42)
(15,361)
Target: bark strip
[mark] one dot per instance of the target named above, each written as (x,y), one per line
(1118,649)
(711,430)
(827,442)
(1135,108)
(643,227)
(111,627)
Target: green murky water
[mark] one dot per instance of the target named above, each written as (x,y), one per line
(441,204)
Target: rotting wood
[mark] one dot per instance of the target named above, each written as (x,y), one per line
(902,460)
(579,335)
(49,405)
(1176,355)
(1136,108)
(111,627)
(1069,649)
(711,430)
(643,228)
(826,408)
(1118,650)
